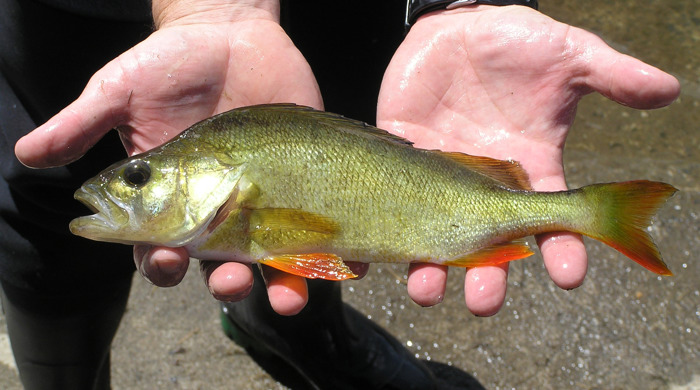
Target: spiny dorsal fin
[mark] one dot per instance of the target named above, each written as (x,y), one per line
(506,172)
(330,118)
(509,173)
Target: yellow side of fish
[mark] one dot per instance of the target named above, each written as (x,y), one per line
(303,190)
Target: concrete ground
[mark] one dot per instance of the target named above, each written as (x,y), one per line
(625,328)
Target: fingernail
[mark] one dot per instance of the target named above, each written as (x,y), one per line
(165,272)
(143,269)
(170,273)
(230,297)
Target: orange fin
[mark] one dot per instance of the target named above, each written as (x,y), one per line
(626,210)
(311,266)
(493,255)
(509,173)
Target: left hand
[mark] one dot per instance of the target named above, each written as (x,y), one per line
(205,58)
(504,82)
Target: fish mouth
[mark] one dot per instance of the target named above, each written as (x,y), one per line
(105,224)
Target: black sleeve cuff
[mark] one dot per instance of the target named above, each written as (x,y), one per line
(416,8)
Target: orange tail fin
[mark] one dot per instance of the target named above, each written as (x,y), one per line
(625,211)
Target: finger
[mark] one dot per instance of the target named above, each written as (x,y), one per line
(359,269)
(563,253)
(485,289)
(288,293)
(620,77)
(74,130)
(227,281)
(162,266)
(426,283)
(564,258)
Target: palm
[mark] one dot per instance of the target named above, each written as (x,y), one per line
(504,82)
(178,76)
(488,92)
(240,66)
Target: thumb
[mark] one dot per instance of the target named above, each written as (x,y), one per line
(162,266)
(620,77)
(75,129)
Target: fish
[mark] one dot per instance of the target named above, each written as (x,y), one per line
(304,191)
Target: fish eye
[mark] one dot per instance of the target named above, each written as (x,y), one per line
(137,173)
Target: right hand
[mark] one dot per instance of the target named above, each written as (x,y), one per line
(504,82)
(203,59)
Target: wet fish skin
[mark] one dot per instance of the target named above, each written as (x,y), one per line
(304,190)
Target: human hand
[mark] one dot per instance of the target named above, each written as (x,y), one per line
(504,82)
(205,58)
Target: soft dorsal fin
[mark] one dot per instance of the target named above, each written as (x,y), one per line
(509,173)
(330,118)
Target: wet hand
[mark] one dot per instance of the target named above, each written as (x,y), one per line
(194,66)
(504,82)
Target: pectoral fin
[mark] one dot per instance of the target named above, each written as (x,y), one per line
(290,219)
(277,229)
(493,255)
(311,266)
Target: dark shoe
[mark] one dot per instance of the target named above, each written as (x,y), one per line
(329,345)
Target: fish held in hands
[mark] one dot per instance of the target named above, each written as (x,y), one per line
(304,190)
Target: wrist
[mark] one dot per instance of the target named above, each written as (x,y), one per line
(179,12)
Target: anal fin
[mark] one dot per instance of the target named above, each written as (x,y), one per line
(311,266)
(493,255)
